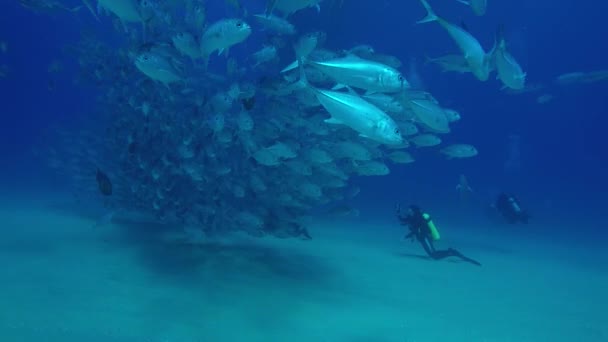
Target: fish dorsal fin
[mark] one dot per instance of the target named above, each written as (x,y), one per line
(499,41)
(352,57)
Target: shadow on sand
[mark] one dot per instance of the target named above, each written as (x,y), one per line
(185,261)
(427,258)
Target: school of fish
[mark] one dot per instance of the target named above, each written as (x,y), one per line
(186,134)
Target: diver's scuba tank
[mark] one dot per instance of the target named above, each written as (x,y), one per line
(434,232)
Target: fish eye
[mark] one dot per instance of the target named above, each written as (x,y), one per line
(239,24)
(397,131)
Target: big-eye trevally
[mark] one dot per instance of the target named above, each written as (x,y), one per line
(479,7)
(275,24)
(509,71)
(360,73)
(471,49)
(425,140)
(288,7)
(351,110)
(157,68)
(186,44)
(459,151)
(126,10)
(223,34)
(454,63)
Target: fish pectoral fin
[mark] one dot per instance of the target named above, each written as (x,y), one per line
(339,86)
(364,136)
(333,121)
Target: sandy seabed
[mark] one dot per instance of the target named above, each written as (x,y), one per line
(62,279)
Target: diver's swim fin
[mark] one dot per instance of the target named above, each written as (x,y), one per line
(474,262)
(464,258)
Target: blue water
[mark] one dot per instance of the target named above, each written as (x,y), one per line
(561,174)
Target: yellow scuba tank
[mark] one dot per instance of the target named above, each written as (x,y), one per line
(434,232)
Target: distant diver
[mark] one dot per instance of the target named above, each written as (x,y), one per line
(423,229)
(463,188)
(104,183)
(511,209)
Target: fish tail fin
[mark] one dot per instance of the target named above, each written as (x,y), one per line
(90,8)
(303,80)
(291,66)
(270,6)
(498,44)
(499,39)
(430,14)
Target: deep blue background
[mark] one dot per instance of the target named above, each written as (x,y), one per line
(563,142)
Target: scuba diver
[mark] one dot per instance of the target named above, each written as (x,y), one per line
(423,229)
(510,208)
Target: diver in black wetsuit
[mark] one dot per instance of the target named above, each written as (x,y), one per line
(511,209)
(422,229)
